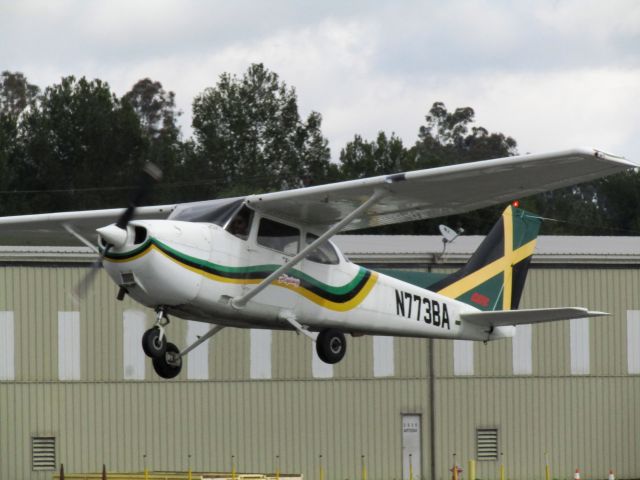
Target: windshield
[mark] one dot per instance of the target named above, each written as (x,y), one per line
(211,211)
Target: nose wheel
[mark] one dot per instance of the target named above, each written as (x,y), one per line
(165,356)
(154,342)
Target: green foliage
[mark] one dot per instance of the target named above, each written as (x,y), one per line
(446,138)
(360,159)
(75,139)
(449,138)
(16,94)
(76,145)
(248,134)
(158,116)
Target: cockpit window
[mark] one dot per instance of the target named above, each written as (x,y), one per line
(325,253)
(278,236)
(240,224)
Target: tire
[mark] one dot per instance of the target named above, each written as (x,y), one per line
(162,366)
(152,345)
(331,346)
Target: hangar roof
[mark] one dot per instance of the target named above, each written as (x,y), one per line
(406,249)
(429,249)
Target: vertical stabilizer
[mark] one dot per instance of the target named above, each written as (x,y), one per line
(494,277)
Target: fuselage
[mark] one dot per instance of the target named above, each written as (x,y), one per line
(194,270)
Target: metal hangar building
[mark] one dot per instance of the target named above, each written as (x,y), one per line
(76,388)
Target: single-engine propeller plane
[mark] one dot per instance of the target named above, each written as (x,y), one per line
(266,260)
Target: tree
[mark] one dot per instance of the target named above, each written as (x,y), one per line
(77,140)
(15,94)
(156,110)
(360,158)
(155,107)
(249,135)
(447,138)
(619,201)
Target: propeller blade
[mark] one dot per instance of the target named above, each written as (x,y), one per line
(82,287)
(149,175)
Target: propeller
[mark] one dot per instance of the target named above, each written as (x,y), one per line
(115,235)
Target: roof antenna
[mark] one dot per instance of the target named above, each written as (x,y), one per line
(448,236)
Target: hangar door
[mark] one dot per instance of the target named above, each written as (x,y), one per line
(411,447)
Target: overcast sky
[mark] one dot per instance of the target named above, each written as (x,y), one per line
(552,74)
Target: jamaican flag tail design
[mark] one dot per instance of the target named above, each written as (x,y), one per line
(493,279)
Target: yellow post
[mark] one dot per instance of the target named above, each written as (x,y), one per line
(410,468)
(277,467)
(233,467)
(146,470)
(455,468)
(471,474)
(321,469)
(189,471)
(547,468)
(364,469)
(501,471)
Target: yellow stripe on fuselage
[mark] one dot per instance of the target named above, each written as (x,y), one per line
(323,302)
(336,306)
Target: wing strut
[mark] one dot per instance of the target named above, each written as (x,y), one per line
(242,301)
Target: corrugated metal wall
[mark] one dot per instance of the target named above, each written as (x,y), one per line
(588,421)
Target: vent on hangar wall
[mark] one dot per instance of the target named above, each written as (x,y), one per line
(43,453)
(487,443)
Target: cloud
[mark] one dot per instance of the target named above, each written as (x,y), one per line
(551,73)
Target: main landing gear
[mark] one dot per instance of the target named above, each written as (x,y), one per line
(165,356)
(331,345)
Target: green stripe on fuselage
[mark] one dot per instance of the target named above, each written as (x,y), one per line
(256,270)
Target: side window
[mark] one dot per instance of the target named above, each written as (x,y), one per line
(278,236)
(240,224)
(325,253)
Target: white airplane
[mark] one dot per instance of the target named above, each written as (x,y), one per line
(266,261)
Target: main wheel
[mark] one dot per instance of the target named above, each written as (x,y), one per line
(331,345)
(152,344)
(169,364)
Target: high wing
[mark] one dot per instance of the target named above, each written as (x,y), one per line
(48,228)
(502,318)
(441,191)
(406,196)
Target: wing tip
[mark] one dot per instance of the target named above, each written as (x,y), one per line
(607,156)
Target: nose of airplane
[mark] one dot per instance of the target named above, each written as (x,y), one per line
(156,261)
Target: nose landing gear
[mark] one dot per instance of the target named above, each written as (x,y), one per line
(154,340)
(165,356)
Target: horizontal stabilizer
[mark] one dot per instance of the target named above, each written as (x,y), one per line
(500,318)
